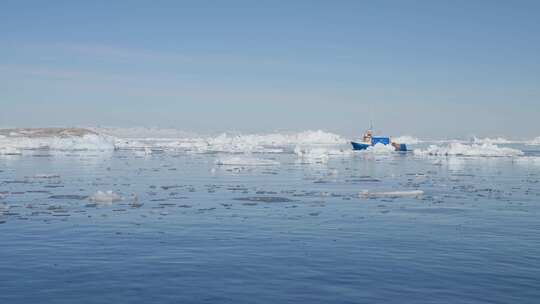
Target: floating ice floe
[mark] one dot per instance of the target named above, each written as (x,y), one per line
(409,193)
(313,154)
(105,197)
(458,149)
(9,150)
(245,161)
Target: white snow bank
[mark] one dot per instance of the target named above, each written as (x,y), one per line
(409,193)
(406,139)
(245,161)
(105,197)
(458,149)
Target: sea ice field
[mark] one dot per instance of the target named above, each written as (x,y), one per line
(164,216)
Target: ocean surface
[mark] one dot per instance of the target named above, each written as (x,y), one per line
(266,220)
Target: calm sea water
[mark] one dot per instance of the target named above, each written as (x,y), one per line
(288,233)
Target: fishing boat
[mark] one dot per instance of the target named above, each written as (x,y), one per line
(368,140)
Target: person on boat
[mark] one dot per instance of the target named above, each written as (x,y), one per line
(367,136)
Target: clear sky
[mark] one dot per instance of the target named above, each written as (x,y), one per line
(426,68)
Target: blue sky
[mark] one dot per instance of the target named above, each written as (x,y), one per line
(427,68)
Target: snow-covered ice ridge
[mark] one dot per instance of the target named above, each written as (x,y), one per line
(16,141)
(232,143)
(310,146)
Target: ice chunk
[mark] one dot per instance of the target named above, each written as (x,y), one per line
(408,193)
(105,197)
(313,154)
(245,161)
(459,149)
(46,176)
(9,150)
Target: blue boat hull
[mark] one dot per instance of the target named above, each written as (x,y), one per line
(359,146)
(401,147)
(363,146)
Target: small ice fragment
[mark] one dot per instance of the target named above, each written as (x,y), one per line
(265,199)
(409,193)
(46,176)
(245,161)
(7,150)
(105,197)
